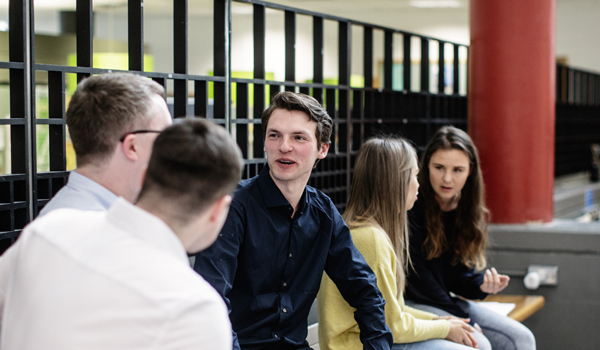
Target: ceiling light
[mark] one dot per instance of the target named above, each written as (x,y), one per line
(435,3)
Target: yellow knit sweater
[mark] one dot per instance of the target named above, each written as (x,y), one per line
(338,328)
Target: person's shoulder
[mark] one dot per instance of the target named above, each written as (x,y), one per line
(169,281)
(320,200)
(69,198)
(370,235)
(246,190)
(62,220)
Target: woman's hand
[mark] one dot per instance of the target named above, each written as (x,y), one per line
(460,331)
(493,282)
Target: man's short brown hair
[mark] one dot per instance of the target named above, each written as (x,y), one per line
(194,162)
(105,107)
(293,101)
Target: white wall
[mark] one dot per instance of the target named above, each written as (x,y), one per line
(578,33)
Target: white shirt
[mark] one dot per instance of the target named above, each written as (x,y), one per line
(106,280)
(81,193)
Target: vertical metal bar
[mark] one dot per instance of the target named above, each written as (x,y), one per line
(467,70)
(424,65)
(56,110)
(273,90)
(241,129)
(201,98)
(20,46)
(318,44)
(559,81)
(180,62)
(591,89)
(259,106)
(357,113)
(344,53)
(388,59)
(85,34)
(598,90)
(135,26)
(456,63)
(584,88)
(180,97)
(368,56)
(259,24)
(259,31)
(19,93)
(441,68)
(290,48)
(163,83)
(180,36)
(222,19)
(344,135)
(406,63)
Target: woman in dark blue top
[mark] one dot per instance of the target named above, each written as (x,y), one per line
(448,241)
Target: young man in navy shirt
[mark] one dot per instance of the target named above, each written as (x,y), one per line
(280,235)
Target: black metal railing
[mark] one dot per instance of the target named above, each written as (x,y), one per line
(577,119)
(389,103)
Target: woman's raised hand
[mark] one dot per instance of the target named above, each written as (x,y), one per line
(493,282)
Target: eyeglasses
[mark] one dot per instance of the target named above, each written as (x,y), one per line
(138,132)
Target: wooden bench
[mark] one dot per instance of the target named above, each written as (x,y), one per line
(525,305)
(313,336)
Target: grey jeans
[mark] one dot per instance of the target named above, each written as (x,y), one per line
(501,332)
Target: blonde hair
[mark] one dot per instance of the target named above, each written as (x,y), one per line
(379,191)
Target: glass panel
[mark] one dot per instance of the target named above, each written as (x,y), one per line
(4,148)
(200,37)
(55,26)
(415,64)
(330,52)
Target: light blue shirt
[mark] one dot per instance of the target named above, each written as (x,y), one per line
(81,193)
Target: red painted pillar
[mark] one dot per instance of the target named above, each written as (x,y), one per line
(512,105)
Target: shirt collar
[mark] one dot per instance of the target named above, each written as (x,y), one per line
(85,184)
(272,194)
(146,227)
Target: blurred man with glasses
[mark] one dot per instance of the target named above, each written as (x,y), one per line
(113,119)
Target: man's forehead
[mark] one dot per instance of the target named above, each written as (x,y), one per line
(286,117)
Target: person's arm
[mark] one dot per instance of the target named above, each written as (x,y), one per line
(406,327)
(218,263)
(422,284)
(467,282)
(357,283)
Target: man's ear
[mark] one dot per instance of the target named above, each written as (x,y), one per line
(323,151)
(219,209)
(129,147)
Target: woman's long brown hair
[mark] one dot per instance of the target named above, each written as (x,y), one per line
(470,228)
(379,191)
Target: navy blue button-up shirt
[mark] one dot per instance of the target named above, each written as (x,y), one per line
(268,267)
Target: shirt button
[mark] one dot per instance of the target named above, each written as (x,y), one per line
(290,255)
(284,310)
(284,284)
(276,336)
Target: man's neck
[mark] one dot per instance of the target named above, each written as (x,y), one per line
(105,179)
(292,190)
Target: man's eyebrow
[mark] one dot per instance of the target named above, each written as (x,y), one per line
(298,132)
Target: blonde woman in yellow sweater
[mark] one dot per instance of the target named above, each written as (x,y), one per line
(384,187)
